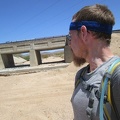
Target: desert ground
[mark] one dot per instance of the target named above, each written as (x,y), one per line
(41,95)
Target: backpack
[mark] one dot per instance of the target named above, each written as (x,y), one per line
(104,94)
(106,99)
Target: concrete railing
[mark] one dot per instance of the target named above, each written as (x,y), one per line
(33,46)
(116,31)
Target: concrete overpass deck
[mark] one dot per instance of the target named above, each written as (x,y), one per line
(36,44)
(33,46)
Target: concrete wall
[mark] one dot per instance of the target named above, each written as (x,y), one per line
(116,31)
(6,61)
(35,58)
(67,54)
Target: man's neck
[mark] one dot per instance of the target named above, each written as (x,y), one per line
(97,58)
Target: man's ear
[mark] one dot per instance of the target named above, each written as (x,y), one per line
(84,33)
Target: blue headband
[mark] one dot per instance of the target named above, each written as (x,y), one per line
(92,25)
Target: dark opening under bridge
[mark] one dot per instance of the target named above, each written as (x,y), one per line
(33,46)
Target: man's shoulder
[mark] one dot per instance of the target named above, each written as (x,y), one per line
(116,72)
(81,70)
(115,75)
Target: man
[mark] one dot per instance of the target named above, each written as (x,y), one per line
(90,37)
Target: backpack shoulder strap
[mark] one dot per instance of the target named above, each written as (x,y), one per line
(113,101)
(107,77)
(81,79)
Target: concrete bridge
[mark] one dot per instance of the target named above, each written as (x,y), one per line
(34,47)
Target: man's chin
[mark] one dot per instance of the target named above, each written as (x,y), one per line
(78,61)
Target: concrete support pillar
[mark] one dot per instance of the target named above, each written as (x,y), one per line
(1,62)
(67,54)
(35,58)
(6,61)
(39,58)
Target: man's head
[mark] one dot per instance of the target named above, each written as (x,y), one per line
(97,13)
(97,20)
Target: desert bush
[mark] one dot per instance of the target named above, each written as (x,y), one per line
(45,55)
(27,57)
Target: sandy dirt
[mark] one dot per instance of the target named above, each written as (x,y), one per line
(44,95)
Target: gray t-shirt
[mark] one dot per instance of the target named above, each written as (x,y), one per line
(80,97)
